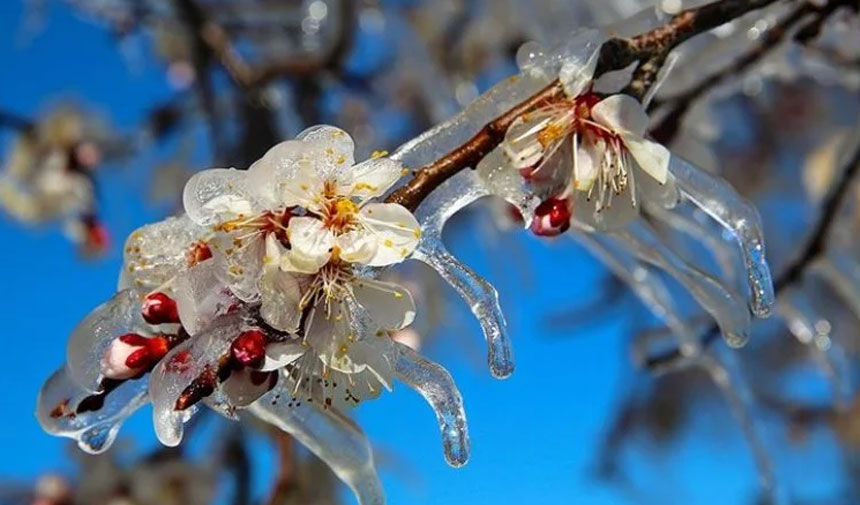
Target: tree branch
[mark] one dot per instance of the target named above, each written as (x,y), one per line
(615,54)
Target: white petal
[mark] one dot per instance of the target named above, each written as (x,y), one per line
(357,246)
(521,144)
(280,295)
(576,72)
(377,355)
(279,354)
(622,114)
(155,253)
(244,386)
(396,230)
(240,262)
(217,195)
(652,157)
(585,165)
(201,296)
(310,244)
(371,178)
(390,306)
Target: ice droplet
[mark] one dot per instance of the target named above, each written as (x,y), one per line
(329,435)
(725,307)
(435,384)
(480,295)
(95,430)
(720,201)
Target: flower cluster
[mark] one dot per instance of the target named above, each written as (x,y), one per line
(262,296)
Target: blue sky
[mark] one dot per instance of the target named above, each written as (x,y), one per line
(533,436)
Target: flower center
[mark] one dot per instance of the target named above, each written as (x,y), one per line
(340,215)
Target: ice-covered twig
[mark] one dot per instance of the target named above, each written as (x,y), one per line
(615,54)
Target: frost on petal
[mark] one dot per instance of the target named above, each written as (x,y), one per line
(334,145)
(357,246)
(219,194)
(371,178)
(435,384)
(92,336)
(396,231)
(201,296)
(389,305)
(239,264)
(652,157)
(481,297)
(279,354)
(189,367)
(311,243)
(720,201)
(155,253)
(724,306)
(95,426)
(622,114)
(329,435)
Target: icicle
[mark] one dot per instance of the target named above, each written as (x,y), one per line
(435,384)
(329,435)
(92,336)
(720,201)
(646,285)
(96,428)
(721,364)
(195,359)
(480,295)
(703,234)
(802,320)
(726,309)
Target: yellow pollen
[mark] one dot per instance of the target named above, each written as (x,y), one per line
(403,172)
(417,232)
(553,131)
(346,207)
(363,185)
(388,243)
(378,154)
(341,159)
(398,294)
(329,150)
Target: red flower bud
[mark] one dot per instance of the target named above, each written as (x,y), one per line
(158,308)
(552,217)
(249,348)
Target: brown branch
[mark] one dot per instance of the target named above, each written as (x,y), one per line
(615,54)
(814,247)
(666,129)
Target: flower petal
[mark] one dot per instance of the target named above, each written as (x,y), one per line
(217,195)
(357,246)
(240,262)
(155,253)
(521,144)
(281,172)
(281,294)
(371,178)
(585,164)
(653,158)
(396,230)
(310,244)
(201,296)
(621,114)
(279,354)
(245,386)
(389,305)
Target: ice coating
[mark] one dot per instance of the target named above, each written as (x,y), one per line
(200,296)
(725,307)
(435,384)
(804,322)
(702,234)
(184,364)
(218,194)
(92,336)
(724,369)
(239,264)
(447,136)
(155,253)
(481,296)
(720,201)
(645,284)
(94,430)
(329,435)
